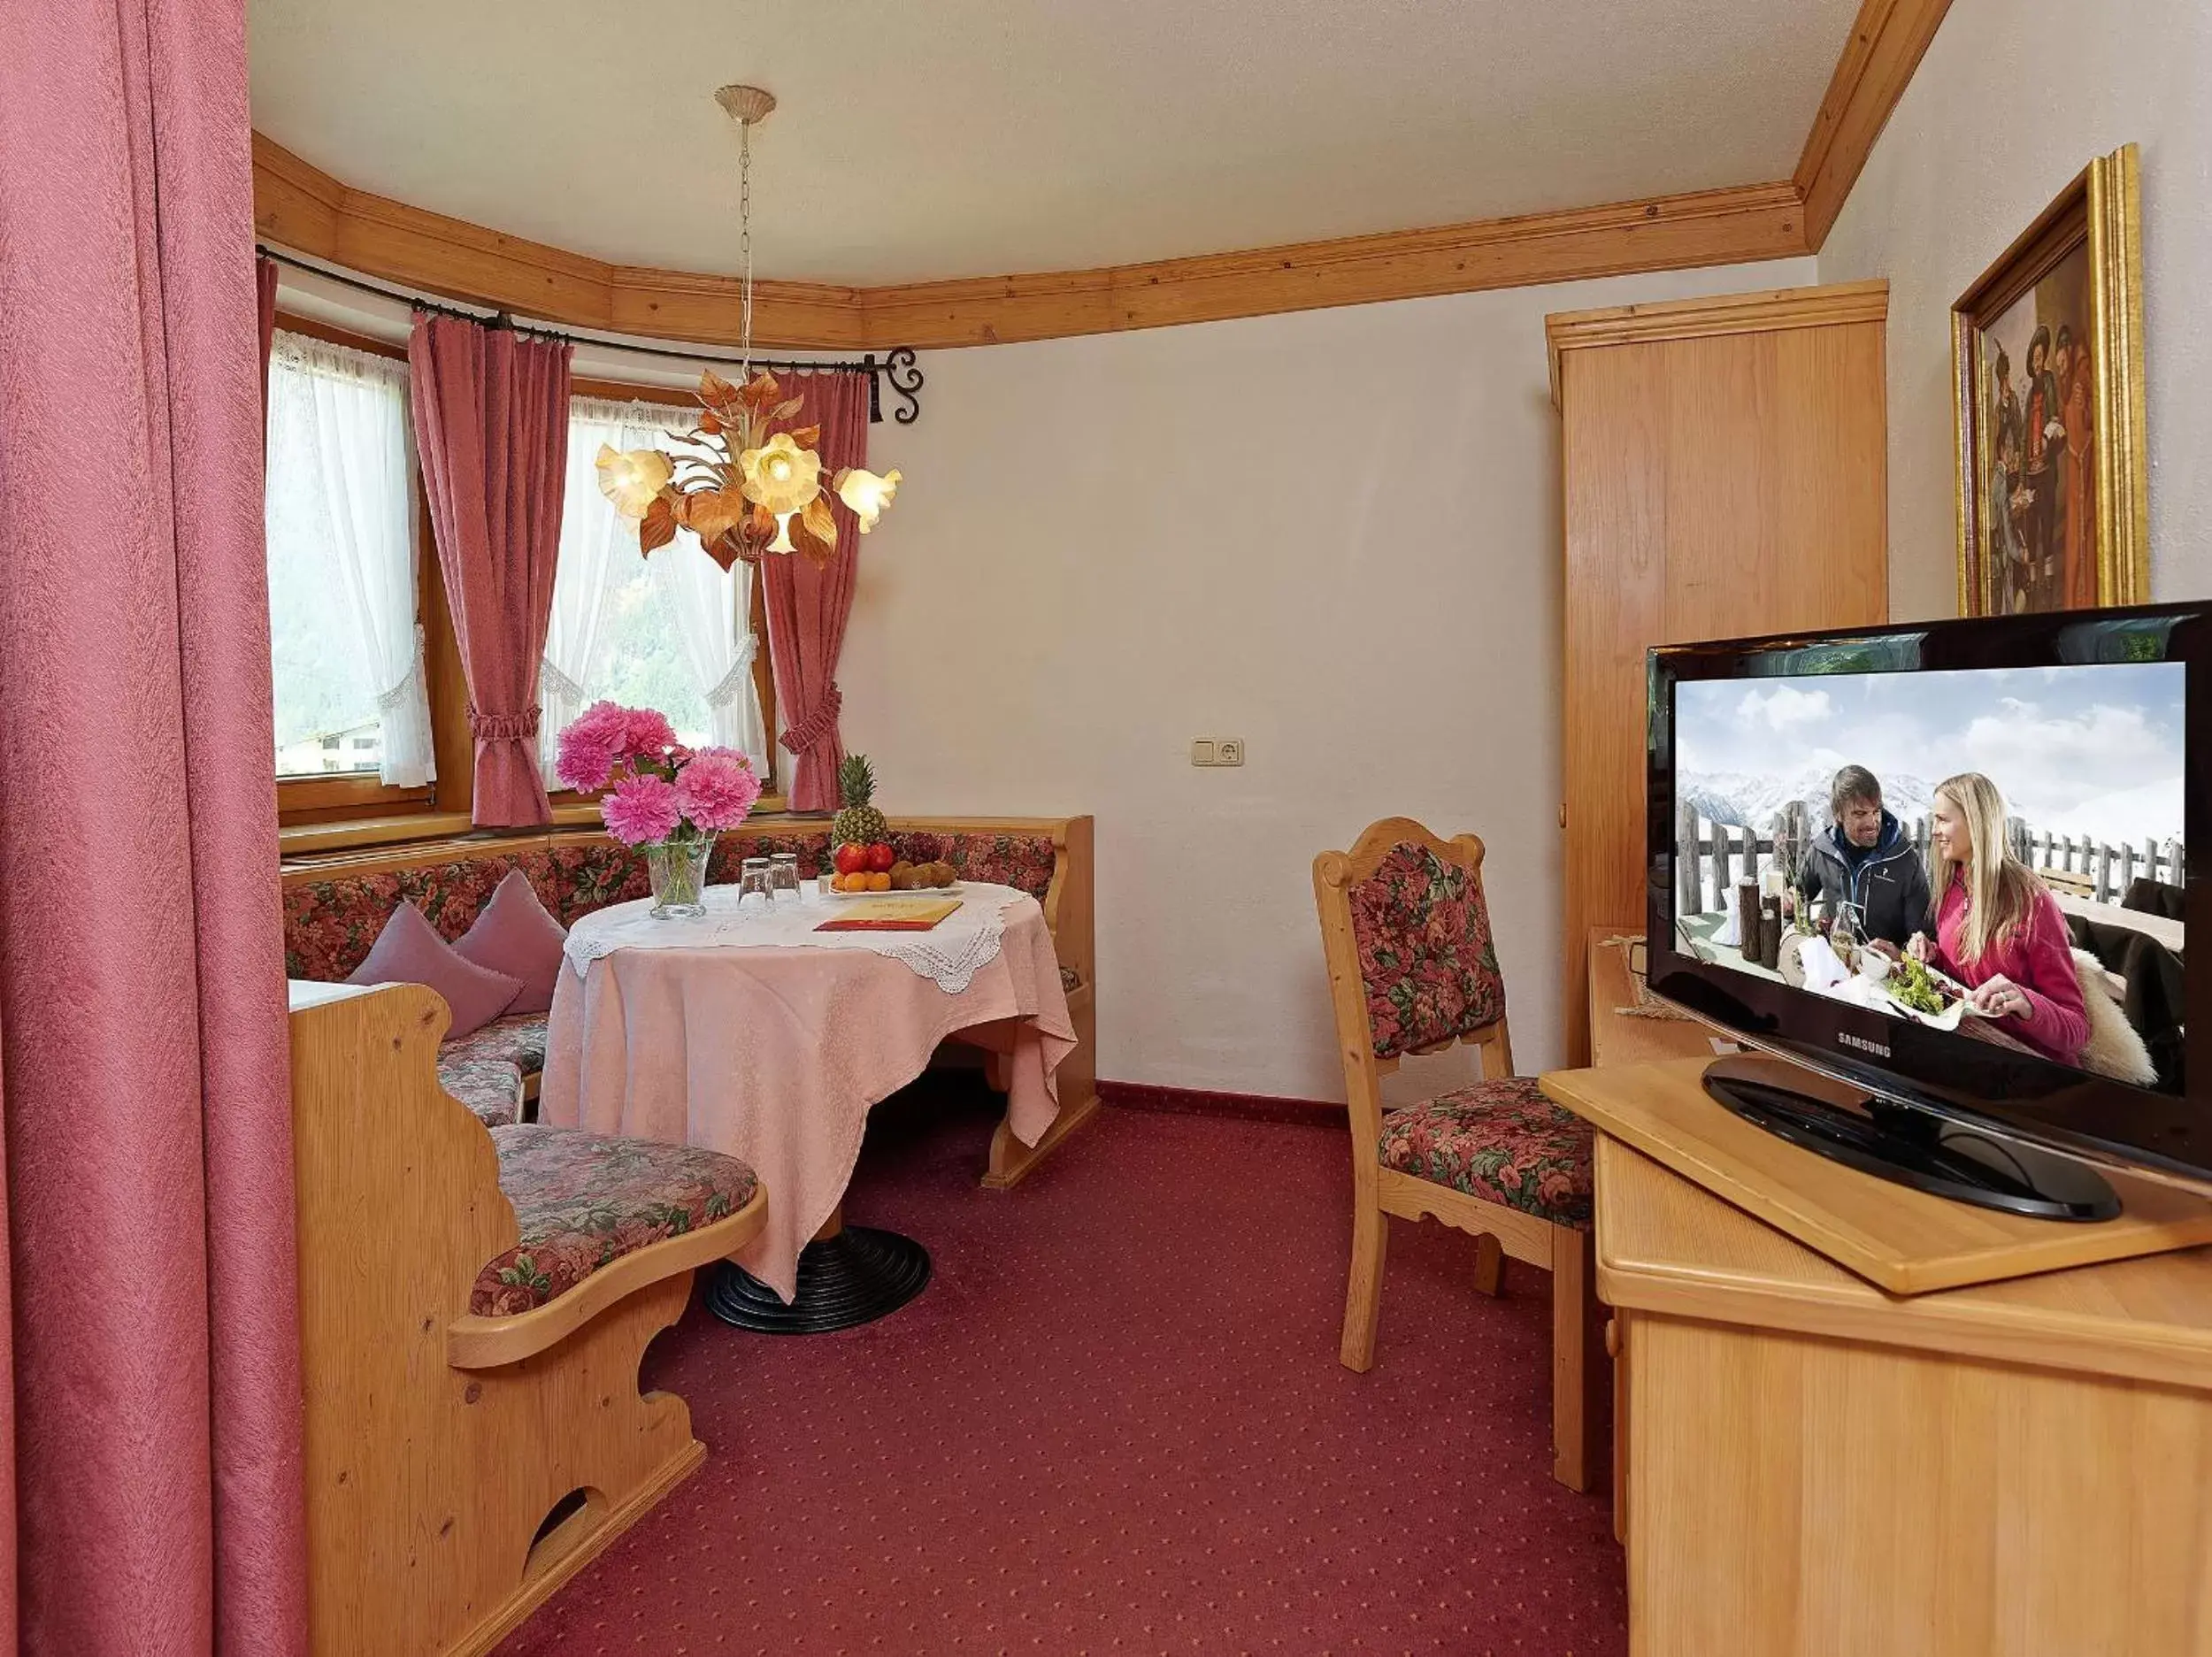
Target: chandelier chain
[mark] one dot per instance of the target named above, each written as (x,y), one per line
(745,241)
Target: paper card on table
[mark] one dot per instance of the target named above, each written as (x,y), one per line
(890,914)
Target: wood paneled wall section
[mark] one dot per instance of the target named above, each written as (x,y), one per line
(1723,473)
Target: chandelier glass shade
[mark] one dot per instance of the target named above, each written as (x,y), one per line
(743,488)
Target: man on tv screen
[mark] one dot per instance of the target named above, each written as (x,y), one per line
(1863,859)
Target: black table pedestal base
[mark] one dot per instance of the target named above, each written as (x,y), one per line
(854,1276)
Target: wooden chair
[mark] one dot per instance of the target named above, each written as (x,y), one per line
(1412,970)
(473,1307)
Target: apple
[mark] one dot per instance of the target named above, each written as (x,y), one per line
(880,857)
(851,858)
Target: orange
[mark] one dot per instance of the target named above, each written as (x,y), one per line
(880,881)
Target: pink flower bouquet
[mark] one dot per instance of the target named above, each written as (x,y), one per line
(665,799)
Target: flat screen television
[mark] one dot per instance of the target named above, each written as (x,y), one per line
(1945,871)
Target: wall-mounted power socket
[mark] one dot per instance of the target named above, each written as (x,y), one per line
(1216,750)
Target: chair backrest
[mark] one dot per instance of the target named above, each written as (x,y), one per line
(1412,968)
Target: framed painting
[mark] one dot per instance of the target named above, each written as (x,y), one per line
(2046,350)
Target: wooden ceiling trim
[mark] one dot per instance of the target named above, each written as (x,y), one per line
(1727,226)
(299,206)
(1887,41)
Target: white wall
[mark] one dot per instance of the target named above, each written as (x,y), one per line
(2013,99)
(1334,535)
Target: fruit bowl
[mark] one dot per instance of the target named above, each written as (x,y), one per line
(823,885)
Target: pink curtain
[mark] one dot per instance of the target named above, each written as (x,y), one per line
(154,1342)
(491,424)
(265,281)
(808,607)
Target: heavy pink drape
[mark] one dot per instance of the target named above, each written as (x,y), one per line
(154,1337)
(808,607)
(491,425)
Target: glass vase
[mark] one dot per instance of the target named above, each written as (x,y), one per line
(678,870)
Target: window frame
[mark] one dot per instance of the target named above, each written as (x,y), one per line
(349,796)
(333,798)
(764,671)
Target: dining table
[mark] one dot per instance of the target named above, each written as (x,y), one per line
(768,1029)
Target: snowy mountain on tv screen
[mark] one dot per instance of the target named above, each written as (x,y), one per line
(1754,802)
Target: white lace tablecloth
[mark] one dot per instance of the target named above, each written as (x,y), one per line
(948,954)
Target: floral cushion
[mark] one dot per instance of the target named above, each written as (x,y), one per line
(1503,1141)
(330,925)
(519,1039)
(583,1201)
(1024,861)
(1426,956)
(731,849)
(572,881)
(490,1087)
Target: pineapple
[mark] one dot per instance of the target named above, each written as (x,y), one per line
(859,823)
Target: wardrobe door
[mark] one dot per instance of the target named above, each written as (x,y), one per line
(1725,473)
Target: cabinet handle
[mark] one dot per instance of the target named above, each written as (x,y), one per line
(1612,1337)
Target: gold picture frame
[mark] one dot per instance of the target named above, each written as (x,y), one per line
(2054,484)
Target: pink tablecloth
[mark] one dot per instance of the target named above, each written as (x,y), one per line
(775,1055)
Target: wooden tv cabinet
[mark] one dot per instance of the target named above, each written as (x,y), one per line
(1806,1464)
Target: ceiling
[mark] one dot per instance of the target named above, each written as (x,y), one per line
(920,139)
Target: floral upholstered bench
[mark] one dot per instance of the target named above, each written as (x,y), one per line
(473,1307)
(336,903)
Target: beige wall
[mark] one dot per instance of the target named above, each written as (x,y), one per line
(2013,99)
(1334,535)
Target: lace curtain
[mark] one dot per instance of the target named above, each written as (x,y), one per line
(342,473)
(707,611)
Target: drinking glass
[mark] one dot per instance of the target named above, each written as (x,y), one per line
(783,877)
(752,882)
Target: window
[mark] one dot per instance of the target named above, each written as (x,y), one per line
(340,511)
(672,632)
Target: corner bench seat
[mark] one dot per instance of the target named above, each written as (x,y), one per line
(583,1201)
(453,1408)
(336,903)
(493,1089)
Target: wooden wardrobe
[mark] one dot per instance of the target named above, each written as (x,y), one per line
(1723,473)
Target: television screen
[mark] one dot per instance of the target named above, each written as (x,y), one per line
(1867,813)
(1949,864)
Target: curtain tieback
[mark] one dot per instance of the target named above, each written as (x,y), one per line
(502,727)
(820,722)
(726,689)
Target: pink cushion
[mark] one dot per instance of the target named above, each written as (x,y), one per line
(514,936)
(410,951)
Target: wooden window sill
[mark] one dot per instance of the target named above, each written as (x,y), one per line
(430,825)
(370,830)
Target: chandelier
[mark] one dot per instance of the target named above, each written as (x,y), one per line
(741,489)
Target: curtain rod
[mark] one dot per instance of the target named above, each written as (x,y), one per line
(898,367)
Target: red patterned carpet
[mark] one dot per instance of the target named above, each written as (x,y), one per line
(1114,1422)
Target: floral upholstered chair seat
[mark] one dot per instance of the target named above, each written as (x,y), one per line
(583,1201)
(518,1038)
(490,1087)
(1501,1140)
